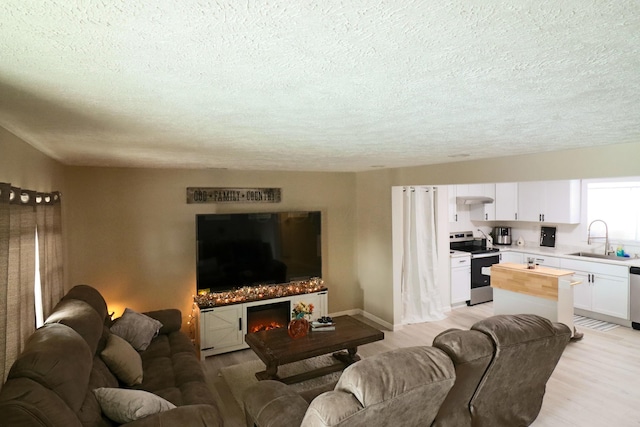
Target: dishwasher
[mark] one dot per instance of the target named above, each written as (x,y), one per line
(634,296)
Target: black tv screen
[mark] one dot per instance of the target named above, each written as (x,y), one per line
(235,250)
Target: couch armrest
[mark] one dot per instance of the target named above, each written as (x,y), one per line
(273,404)
(171,319)
(188,415)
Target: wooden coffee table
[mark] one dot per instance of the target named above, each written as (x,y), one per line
(275,348)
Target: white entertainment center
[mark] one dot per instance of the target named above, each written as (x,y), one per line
(222,328)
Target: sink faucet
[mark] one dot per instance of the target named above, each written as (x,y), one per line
(487,238)
(606,236)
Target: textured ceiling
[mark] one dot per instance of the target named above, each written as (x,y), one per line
(336,85)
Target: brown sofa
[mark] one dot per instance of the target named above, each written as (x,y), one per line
(492,375)
(53,380)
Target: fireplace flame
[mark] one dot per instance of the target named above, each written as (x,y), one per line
(265,327)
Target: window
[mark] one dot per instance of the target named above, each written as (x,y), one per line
(618,204)
(38,288)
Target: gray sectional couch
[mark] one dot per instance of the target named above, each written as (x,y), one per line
(493,375)
(53,381)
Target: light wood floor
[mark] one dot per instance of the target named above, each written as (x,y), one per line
(596,383)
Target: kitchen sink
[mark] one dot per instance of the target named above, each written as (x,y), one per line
(601,256)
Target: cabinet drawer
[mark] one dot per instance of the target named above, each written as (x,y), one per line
(460,262)
(595,267)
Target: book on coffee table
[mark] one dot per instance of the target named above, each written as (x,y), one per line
(316,324)
(323,328)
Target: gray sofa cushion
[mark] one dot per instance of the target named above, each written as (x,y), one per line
(272,403)
(56,357)
(137,328)
(471,353)
(89,295)
(401,387)
(528,348)
(82,318)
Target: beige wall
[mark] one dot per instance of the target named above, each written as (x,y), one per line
(131,233)
(373,189)
(24,166)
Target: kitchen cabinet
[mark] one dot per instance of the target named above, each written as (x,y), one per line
(543,260)
(549,201)
(604,288)
(506,204)
(452,191)
(482,211)
(460,278)
(513,257)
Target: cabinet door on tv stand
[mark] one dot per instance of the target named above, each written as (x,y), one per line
(221,327)
(319,301)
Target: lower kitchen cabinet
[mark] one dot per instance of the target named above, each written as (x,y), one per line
(460,279)
(509,256)
(543,260)
(604,288)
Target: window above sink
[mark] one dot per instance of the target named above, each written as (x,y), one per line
(617,203)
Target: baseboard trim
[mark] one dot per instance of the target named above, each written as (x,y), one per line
(361,312)
(381,322)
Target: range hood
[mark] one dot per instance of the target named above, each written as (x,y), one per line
(473,200)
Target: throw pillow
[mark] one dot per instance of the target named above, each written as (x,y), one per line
(124,405)
(137,328)
(123,360)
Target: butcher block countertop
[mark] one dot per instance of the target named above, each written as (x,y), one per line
(538,282)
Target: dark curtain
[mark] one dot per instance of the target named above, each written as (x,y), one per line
(21,211)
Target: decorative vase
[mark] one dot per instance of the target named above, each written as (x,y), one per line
(298,328)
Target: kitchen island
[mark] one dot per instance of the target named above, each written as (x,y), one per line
(545,291)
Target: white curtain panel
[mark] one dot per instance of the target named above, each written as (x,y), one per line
(420,291)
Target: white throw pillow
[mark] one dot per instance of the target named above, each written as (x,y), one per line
(123,360)
(138,329)
(124,405)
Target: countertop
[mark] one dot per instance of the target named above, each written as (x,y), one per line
(564,253)
(539,270)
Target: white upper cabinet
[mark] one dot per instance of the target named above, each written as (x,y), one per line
(482,211)
(530,195)
(549,201)
(453,206)
(538,201)
(506,201)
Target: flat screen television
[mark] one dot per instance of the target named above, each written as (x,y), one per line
(240,249)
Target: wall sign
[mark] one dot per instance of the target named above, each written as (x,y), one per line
(233,195)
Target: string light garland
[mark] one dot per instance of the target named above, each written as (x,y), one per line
(191,322)
(258,292)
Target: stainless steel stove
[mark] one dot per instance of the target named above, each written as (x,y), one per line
(481,256)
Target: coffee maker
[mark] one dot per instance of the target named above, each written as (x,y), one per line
(501,235)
